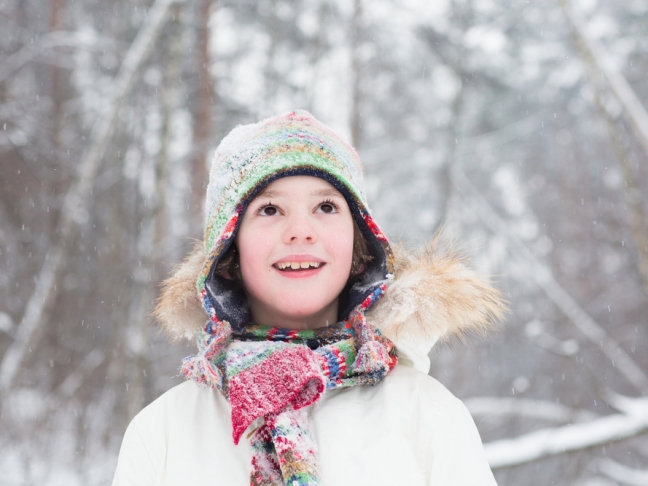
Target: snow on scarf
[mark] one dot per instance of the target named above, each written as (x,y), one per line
(270,374)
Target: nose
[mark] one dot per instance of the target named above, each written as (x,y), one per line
(299,229)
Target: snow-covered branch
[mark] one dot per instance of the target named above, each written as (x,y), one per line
(558,440)
(76,199)
(6,323)
(536,333)
(522,407)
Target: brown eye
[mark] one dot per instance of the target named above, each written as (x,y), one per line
(268,210)
(327,208)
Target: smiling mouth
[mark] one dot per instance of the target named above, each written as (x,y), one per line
(297,266)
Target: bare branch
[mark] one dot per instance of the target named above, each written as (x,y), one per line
(498,138)
(74,380)
(47,42)
(623,474)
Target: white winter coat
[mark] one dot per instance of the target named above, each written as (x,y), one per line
(407,430)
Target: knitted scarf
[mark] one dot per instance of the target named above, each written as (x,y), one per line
(270,374)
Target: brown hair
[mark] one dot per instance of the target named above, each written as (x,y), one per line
(229,264)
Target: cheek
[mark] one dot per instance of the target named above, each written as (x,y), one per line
(250,260)
(340,245)
(254,272)
(253,252)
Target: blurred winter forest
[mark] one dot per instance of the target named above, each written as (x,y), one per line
(520,126)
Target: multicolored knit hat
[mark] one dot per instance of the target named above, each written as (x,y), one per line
(250,158)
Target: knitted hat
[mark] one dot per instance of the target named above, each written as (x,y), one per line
(251,157)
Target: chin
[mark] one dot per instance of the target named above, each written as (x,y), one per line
(298,311)
(291,308)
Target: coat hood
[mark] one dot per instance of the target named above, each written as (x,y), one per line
(248,159)
(434,295)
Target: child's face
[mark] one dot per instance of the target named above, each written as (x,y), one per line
(295,244)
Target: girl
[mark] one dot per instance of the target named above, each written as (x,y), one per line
(313,361)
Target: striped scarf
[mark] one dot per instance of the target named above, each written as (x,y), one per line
(270,374)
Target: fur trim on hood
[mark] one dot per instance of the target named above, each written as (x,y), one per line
(434,296)
(179,310)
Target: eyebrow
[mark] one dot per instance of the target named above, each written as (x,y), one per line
(321,193)
(327,192)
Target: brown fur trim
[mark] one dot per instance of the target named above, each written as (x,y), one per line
(434,296)
(178,309)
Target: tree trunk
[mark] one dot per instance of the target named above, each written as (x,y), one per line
(202,122)
(448,166)
(270,75)
(356,76)
(56,24)
(457,65)
(315,54)
(170,105)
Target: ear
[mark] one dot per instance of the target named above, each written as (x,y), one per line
(227,266)
(358,270)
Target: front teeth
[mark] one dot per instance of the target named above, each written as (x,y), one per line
(298,265)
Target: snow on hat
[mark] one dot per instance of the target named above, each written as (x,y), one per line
(250,158)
